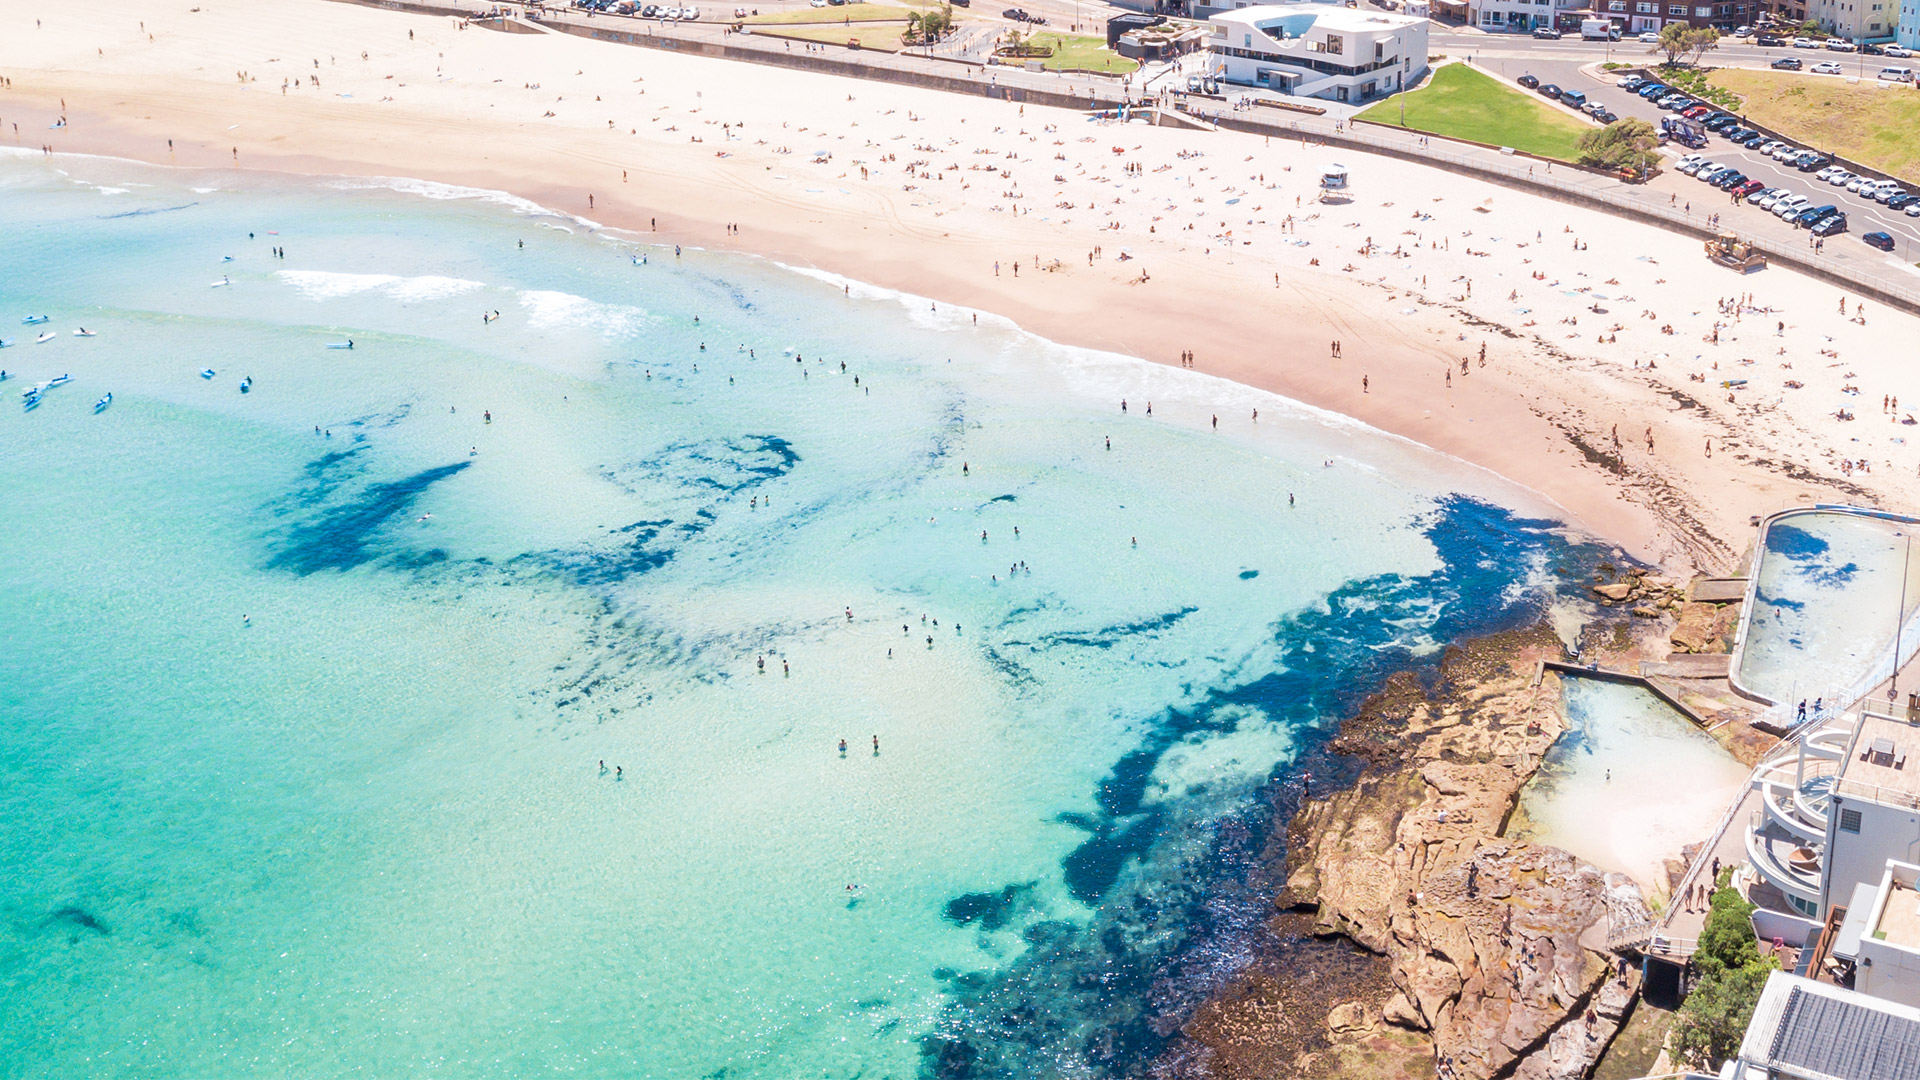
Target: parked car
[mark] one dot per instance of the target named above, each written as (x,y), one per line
(1827,226)
(1888,193)
(1857,182)
(1900,51)
(1913,209)
(1650,38)
(1690,164)
(1697,112)
(1810,161)
(1546,33)
(1883,241)
(1721,123)
(1606,116)
(1742,31)
(1788,63)
(1786,152)
(1827,173)
(1754,141)
(1835,44)
(1841,178)
(1630,82)
(1786,208)
(1759,197)
(1768,41)
(1746,188)
(1902,201)
(1573,97)
(1827,67)
(1716,175)
(1528,81)
(1806,218)
(1730,180)
(1653,90)
(1805,43)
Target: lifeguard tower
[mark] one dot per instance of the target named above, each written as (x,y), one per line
(1333,184)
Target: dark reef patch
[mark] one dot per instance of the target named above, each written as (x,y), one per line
(147,211)
(992,910)
(74,918)
(1108,636)
(345,535)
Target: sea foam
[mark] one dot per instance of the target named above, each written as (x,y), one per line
(330,285)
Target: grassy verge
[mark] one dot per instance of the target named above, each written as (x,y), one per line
(853,12)
(1463,103)
(1079,51)
(1872,125)
(881,37)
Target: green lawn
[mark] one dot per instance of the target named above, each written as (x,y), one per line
(848,12)
(1874,126)
(1461,102)
(1081,52)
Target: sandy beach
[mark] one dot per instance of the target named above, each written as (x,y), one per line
(1579,354)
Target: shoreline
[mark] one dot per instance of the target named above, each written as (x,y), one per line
(1538,417)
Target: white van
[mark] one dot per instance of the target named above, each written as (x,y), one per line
(1897,74)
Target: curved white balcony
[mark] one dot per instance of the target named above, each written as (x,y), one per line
(1784,859)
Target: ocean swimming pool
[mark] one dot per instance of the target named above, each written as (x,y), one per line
(1826,597)
(1630,783)
(309,686)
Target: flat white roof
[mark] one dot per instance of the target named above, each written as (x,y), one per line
(1325,17)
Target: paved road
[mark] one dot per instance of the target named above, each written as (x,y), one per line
(1463,42)
(1569,64)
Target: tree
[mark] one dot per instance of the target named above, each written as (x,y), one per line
(1624,145)
(1711,1022)
(1673,41)
(1700,41)
(1727,942)
(937,24)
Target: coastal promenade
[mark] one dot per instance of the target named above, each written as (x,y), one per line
(1668,201)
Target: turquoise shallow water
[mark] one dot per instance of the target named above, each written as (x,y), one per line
(300,729)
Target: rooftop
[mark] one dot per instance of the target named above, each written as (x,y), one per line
(1900,917)
(1320,16)
(1811,1031)
(1884,764)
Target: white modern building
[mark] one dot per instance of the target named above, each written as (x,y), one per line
(1907,32)
(1836,805)
(1880,936)
(1806,1030)
(1318,50)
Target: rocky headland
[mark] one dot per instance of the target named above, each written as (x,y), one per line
(1487,957)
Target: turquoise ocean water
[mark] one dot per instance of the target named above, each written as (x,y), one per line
(301,730)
